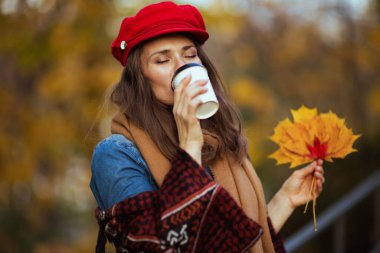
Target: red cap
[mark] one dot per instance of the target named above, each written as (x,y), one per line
(154,20)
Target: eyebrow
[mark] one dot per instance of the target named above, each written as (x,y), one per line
(165,51)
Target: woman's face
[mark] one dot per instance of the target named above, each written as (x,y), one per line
(161,57)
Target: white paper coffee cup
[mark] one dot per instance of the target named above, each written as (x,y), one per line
(210,104)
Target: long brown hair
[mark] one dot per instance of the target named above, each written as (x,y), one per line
(134,96)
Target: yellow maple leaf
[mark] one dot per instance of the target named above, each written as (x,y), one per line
(303,114)
(312,136)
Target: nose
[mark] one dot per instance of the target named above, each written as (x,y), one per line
(180,62)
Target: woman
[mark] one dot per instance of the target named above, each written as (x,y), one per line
(166,181)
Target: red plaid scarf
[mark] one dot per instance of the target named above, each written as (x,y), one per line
(189,213)
(239,181)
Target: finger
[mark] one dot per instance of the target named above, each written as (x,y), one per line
(311,166)
(188,93)
(185,111)
(190,90)
(179,89)
(320,182)
(184,82)
(195,89)
(192,106)
(307,170)
(316,193)
(320,162)
(178,94)
(319,186)
(200,82)
(319,176)
(318,170)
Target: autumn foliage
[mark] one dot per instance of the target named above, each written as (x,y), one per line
(309,137)
(312,136)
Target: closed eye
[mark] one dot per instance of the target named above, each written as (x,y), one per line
(162,61)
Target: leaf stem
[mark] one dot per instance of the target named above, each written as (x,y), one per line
(314,203)
(308,196)
(314,216)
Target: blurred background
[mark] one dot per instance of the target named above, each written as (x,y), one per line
(56,67)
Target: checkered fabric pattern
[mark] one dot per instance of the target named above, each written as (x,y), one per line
(277,240)
(189,213)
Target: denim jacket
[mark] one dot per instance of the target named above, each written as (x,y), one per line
(118,171)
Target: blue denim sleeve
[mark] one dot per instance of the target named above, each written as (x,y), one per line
(118,171)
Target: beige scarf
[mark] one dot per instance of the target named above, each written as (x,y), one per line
(240,180)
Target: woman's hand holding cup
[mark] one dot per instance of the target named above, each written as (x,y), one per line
(186,102)
(209,103)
